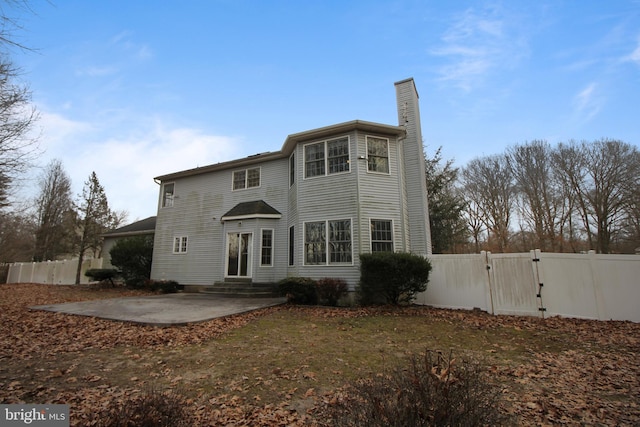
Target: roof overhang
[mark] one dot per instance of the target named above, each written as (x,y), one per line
(289,144)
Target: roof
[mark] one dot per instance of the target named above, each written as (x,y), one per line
(289,144)
(145,226)
(254,209)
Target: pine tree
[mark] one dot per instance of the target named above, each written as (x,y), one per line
(94,218)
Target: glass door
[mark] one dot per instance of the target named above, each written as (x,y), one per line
(239,254)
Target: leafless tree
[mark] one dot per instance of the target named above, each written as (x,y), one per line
(17,115)
(488,182)
(603,178)
(54,207)
(542,206)
(16,236)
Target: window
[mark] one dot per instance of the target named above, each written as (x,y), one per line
(378,154)
(337,243)
(381,235)
(314,159)
(247,178)
(167,195)
(266,250)
(326,157)
(291,246)
(292,169)
(338,155)
(180,245)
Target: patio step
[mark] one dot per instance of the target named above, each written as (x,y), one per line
(242,288)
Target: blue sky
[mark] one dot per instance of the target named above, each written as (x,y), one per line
(137,89)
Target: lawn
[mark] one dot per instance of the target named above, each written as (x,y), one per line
(279,366)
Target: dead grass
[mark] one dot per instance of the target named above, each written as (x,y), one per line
(277,365)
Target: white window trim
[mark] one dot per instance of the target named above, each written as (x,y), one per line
(273,235)
(181,239)
(327,263)
(393,234)
(388,154)
(246,178)
(163,195)
(326,157)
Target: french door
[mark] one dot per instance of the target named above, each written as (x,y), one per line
(239,255)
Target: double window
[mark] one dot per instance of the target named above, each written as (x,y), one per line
(246,178)
(180,244)
(381,235)
(328,242)
(326,157)
(377,154)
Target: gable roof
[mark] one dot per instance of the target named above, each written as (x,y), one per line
(254,209)
(289,145)
(145,226)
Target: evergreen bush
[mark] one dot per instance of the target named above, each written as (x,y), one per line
(299,290)
(392,277)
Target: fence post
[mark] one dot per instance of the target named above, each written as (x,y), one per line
(536,258)
(488,267)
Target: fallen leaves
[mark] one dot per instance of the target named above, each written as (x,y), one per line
(595,383)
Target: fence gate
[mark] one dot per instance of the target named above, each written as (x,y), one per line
(514,284)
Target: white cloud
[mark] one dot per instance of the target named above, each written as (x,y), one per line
(476,44)
(587,103)
(635,55)
(126,164)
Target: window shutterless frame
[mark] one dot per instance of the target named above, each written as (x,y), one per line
(328,157)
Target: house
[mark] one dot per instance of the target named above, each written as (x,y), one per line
(145,227)
(308,209)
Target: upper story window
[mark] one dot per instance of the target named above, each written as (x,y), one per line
(167,195)
(377,154)
(326,157)
(246,178)
(292,169)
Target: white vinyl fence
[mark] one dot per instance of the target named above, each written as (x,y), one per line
(51,272)
(591,286)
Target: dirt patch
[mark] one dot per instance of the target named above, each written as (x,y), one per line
(279,365)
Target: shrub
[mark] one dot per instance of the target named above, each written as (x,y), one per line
(392,277)
(330,290)
(431,390)
(163,286)
(299,290)
(133,257)
(102,274)
(153,409)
